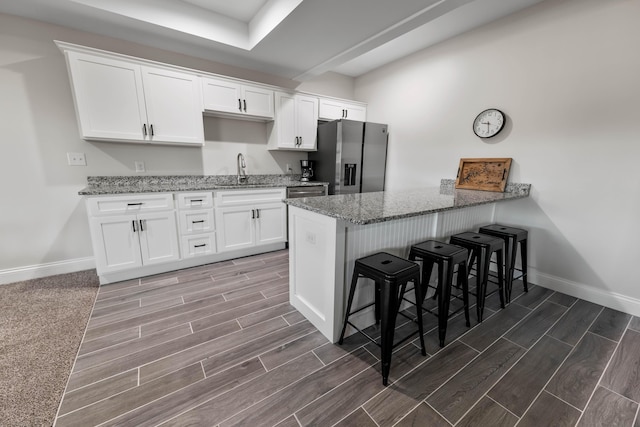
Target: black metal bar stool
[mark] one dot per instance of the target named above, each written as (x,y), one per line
(511,236)
(481,247)
(391,275)
(447,257)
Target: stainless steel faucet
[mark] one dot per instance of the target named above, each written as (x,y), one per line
(242,172)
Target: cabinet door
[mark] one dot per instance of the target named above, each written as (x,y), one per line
(307,121)
(257,101)
(173,106)
(115,243)
(235,228)
(271,223)
(330,109)
(286,121)
(158,237)
(221,95)
(335,109)
(355,112)
(108,96)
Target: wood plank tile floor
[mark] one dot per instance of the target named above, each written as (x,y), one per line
(219,345)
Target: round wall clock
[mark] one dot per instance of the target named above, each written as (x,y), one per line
(489,123)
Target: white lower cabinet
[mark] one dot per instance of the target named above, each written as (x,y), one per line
(248,218)
(132,240)
(138,235)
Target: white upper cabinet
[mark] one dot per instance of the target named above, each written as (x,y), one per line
(237,100)
(335,109)
(296,122)
(125,101)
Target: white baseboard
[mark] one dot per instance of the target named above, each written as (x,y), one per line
(588,293)
(29,272)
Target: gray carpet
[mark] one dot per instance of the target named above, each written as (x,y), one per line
(42,322)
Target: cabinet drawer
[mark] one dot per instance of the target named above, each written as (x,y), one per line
(198,245)
(195,200)
(196,221)
(244,197)
(129,204)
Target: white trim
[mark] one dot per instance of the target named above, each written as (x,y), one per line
(29,272)
(609,299)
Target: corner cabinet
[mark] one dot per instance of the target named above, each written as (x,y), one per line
(248,218)
(296,123)
(132,231)
(335,109)
(118,100)
(229,98)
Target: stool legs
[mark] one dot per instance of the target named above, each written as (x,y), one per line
(352,291)
(463,280)
(510,262)
(523,263)
(445,276)
(388,314)
(482,278)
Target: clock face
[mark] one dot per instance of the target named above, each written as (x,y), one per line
(488,123)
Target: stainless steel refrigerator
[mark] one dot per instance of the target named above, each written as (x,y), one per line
(351,156)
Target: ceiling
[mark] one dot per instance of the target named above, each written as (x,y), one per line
(295,39)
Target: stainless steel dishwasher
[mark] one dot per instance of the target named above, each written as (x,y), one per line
(306,191)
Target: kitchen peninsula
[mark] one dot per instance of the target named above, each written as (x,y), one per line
(327,234)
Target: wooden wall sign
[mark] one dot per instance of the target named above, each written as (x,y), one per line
(483,174)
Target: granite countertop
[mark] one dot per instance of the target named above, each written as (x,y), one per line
(105,185)
(381,206)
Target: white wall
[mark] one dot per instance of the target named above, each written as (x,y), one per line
(567,74)
(43,225)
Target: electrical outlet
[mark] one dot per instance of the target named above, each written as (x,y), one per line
(311,237)
(289,170)
(76,159)
(139,166)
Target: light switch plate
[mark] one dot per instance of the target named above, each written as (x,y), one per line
(76,159)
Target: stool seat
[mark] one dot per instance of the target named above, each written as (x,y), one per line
(479,239)
(446,256)
(387,267)
(440,250)
(511,236)
(391,275)
(503,230)
(481,247)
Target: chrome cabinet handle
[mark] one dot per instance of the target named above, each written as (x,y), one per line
(245,105)
(141,222)
(144,129)
(133,223)
(199,246)
(197,222)
(134,204)
(151,128)
(253,214)
(258,213)
(239,104)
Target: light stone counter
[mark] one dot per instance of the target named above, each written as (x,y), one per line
(327,234)
(381,206)
(105,185)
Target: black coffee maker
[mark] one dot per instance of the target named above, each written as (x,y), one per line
(307,170)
